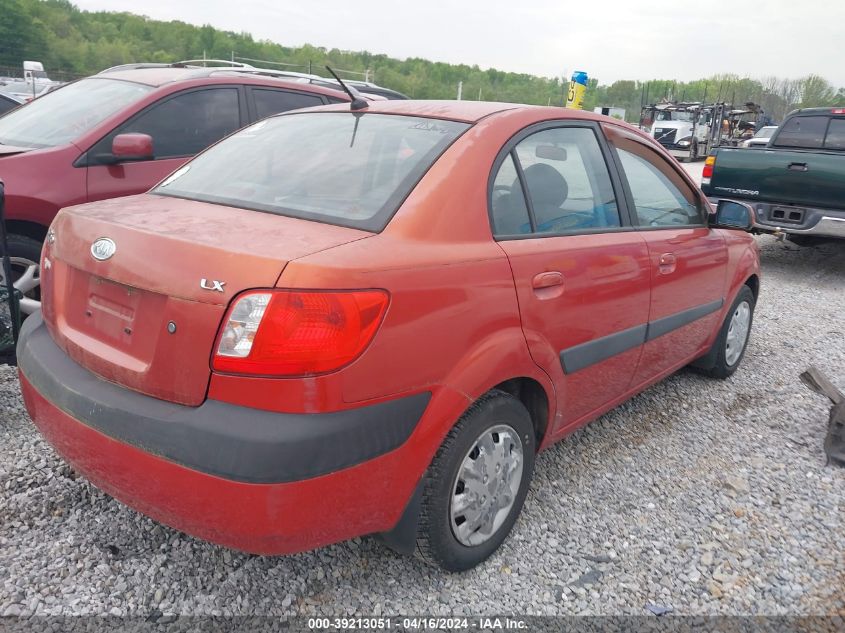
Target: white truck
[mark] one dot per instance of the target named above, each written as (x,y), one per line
(35,82)
(681,128)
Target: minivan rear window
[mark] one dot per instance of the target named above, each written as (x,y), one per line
(344,168)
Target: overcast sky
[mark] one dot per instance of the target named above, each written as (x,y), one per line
(610,39)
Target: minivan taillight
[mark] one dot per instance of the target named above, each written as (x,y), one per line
(297,332)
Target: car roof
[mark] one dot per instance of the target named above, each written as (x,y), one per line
(815,111)
(465,111)
(159,76)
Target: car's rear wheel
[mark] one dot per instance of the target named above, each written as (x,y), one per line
(476,485)
(732,341)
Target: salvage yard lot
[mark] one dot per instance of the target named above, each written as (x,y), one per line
(699,495)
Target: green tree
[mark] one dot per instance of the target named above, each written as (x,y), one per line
(21,37)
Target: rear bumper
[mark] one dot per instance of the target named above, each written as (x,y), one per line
(255,480)
(827,226)
(788,218)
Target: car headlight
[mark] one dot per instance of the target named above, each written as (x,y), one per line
(685,142)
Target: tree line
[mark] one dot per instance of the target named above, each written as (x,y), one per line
(71,43)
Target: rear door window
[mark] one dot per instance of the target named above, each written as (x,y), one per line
(185,124)
(268,101)
(802,131)
(567,187)
(508,211)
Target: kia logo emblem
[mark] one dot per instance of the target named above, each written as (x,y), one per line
(102,249)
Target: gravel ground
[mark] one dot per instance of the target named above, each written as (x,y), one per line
(707,497)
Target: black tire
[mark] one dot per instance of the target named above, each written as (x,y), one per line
(436,541)
(721,369)
(24,247)
(23,250)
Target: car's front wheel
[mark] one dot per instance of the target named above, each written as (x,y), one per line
(476,485)
(24,255)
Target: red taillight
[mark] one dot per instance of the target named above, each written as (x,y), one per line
(708,167)
(297,333)
(838,111)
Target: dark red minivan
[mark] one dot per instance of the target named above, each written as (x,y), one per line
(120,132)
(337,323)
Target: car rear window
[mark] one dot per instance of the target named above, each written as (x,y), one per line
(344,168)
(802,131)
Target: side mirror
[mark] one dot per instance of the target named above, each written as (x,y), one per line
(732,215)
(132,147)
(127,148)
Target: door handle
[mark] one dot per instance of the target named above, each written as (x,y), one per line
(548,285)
(798,167)
(666,263)
(547,280)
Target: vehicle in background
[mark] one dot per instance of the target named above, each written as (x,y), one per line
(34,83)
(8,102)
(761,137)
(278,347)
(681,128)
(611,111)
(365,87)
(118,133)
(22,91)
(739,124)
(35,77)
(691,130)
(797,186)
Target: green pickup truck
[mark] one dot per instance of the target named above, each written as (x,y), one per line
(795,184)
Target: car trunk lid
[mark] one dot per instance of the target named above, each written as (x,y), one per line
(146,316)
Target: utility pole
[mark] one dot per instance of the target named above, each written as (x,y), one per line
(460,89)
